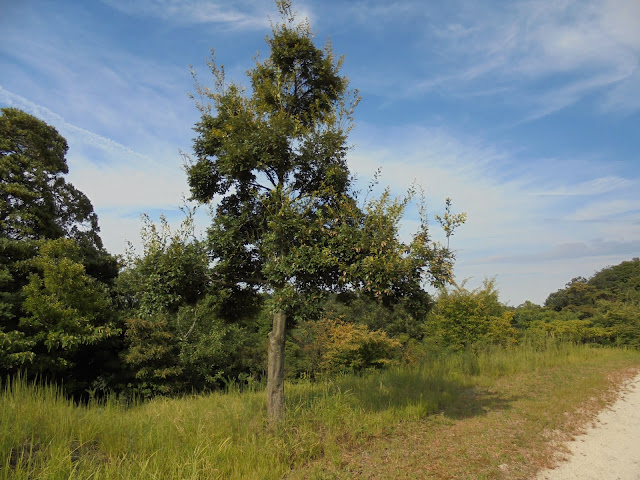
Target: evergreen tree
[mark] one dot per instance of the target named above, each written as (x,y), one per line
(286,221)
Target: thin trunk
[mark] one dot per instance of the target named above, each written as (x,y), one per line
(275,369)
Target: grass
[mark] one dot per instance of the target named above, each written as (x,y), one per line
(496,414)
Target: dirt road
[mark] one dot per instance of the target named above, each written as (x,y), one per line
(610,448)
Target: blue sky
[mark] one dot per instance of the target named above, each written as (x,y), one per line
(526,113)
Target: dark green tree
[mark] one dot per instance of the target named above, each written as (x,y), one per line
(37,206)
(286,221)
(182,333)
(578,296)
(619,282)
(35,200)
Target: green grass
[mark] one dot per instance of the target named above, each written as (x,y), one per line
(330,424)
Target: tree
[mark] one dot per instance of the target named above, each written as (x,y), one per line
(68,315)
(35,200)
(38,206)
(286,221)
(619,282)
(177,334)
(173,270)
(578,296)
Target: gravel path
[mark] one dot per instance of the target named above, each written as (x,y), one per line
(610,449)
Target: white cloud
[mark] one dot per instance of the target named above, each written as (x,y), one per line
(606,184)
(531,223)
(239,15)
(606,210)
(544,55)
(620,19)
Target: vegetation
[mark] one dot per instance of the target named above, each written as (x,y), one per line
(493,409)
(603,309)
(155,364)
(288,222)
(55,310)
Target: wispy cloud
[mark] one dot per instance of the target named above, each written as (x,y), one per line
(540,56)
(72,79)
(240,15)
(120,182)
(237,15)
(517,218)
(572,250)
(597,211)
(111,148)
(594,186)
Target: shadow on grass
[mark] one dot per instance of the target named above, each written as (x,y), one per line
(415,394)
(474,402)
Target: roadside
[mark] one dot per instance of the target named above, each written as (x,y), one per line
(610,447)
(510,427)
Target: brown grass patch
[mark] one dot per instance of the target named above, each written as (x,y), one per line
(509,429)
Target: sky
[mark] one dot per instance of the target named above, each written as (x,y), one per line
(526,113)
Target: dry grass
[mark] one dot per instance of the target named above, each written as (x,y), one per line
(509,428)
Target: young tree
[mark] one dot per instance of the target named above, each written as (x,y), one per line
(68,315)
(462,318)
(286,220)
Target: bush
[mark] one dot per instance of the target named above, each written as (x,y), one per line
(462,318)
(332,345)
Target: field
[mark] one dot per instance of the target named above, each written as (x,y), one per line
(493,414)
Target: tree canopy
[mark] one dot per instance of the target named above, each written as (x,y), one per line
(54,271)
(35,200)
(286,220)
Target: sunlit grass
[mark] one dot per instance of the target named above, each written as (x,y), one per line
(225,435)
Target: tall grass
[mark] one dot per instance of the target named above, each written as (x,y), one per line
(225,435)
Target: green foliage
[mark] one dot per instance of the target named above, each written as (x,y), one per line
(172,271)
(578,297)
(153,355)
(331,346)
(609,300)
(621,281)
(35,200)
(192,350)
(450,221)
(402,320)
(54,306)
(621,319)
(529,313)
(569,330)
(287,220)
(277,157)
(181,332)
(68,314)
(462,318)
(14,273)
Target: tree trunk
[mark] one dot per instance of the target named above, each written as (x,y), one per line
(275,369)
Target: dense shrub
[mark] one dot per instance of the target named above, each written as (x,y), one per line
(462,318)
(331,345)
